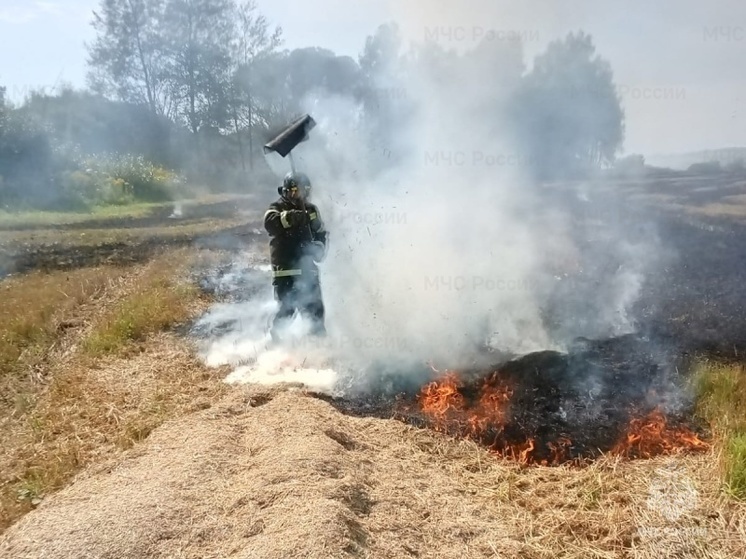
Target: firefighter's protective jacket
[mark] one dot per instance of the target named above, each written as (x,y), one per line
(293,249)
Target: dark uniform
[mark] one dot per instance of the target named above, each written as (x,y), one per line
(298,242)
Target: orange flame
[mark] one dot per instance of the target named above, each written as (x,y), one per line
(520,452)
(559,450)
(443,402)
(651,436)
(442,399)
(492,409)
(485,416)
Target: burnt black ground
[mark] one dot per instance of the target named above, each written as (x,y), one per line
(698,301)
(587,396)
(142,238)
(693,300)
(18,260)
(694,296)
(692,304)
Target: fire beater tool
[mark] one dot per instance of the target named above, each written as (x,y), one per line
(285,142)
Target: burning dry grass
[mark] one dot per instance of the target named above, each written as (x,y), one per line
(722,401)
(531,410)
(278,474)
(70,397)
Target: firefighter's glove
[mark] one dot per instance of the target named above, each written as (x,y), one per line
(296,218)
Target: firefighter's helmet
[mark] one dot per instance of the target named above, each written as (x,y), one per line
(296,185)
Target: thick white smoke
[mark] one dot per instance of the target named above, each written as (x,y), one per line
(449,251)
(441,246)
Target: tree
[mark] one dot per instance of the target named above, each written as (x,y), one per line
(255,42)
(26,161)
(255,39)
(313,70)
(3,109)
(89,123)
(283,82)
(568,111)
(126,60)
(190,60)
(198,36)
(177,56)
(381,52)
(382,91)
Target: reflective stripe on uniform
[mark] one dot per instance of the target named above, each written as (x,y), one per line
(318,226)
(284,220)
(270,212)
(286,273)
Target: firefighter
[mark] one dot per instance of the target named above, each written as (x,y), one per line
(298,243)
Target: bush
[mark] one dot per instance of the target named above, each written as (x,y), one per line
(120,179)
(630,166)
(35,176)
(706,168)
(136,177)
(736,167)
(26,163)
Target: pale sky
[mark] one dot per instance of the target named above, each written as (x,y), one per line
(680,64)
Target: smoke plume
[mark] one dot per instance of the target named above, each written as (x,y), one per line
(442,246)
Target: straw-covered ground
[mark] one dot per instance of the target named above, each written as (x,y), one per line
(116,441)
(278,473)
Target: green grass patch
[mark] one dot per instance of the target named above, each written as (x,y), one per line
(721,395)
(157,307)
(734,463)
(38,218)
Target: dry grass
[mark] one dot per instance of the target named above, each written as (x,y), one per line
(157,301)
(105,380)
(51,218)
(278,474)
(274,474)
(735,210)
(36,312)
(721,393)
(173,231)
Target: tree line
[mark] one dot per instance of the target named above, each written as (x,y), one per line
(193,88)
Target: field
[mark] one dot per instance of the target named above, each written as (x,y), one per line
(118,441)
